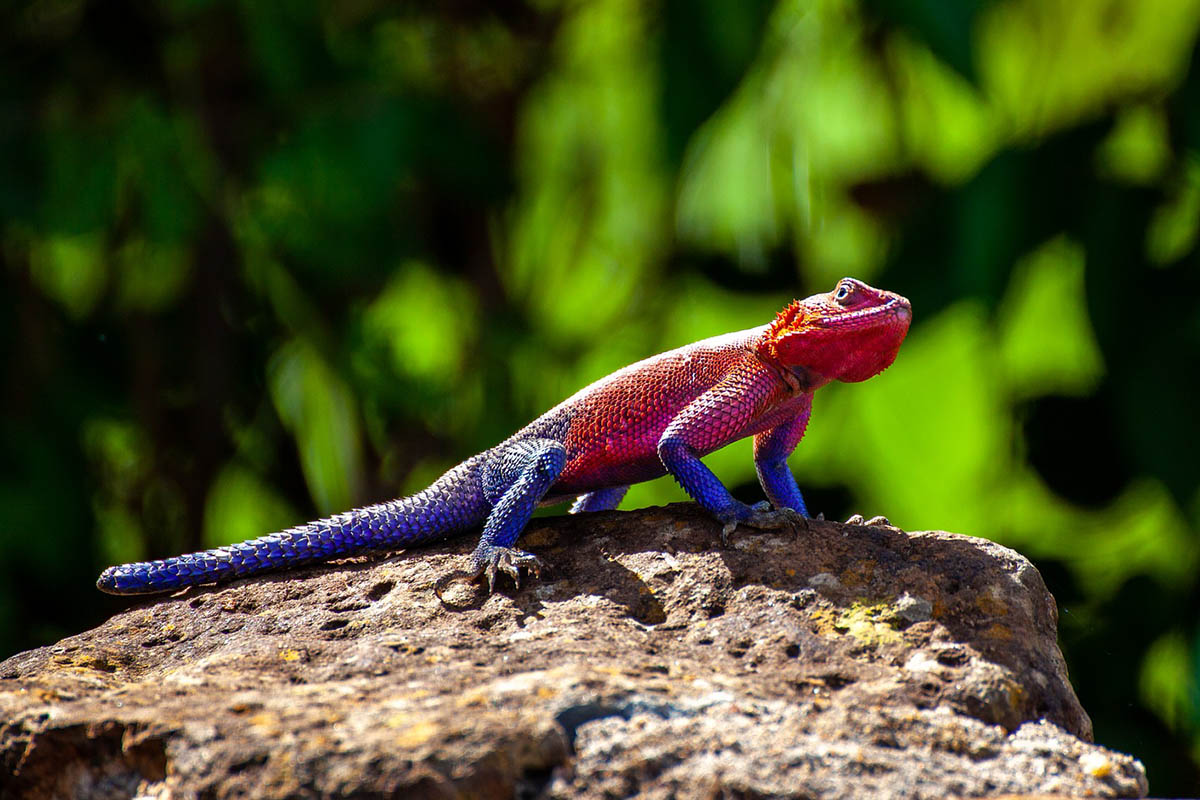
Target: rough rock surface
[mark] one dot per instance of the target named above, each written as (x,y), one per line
(837,661)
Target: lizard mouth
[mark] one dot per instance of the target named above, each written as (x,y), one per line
(895,307)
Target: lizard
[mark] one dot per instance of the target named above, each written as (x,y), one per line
(658,416)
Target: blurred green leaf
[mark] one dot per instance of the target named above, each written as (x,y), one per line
(1167,683)
(945,26)
(1137,150)
(1046,341)
(317,407)
(150,277)
(1174,229)
(241,506)
(72,270)
(707,47)
(426,321)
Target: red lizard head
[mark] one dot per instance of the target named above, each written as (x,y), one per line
(849,334)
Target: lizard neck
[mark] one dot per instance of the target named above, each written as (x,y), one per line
(798,379)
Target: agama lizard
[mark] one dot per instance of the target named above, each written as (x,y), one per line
(657,416)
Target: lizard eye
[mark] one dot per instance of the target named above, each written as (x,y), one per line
(843,293)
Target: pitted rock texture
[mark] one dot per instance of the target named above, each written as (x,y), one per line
(826,662)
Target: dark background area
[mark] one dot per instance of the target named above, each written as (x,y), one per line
(264,262)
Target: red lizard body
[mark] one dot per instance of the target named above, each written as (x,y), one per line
(654,417)
(616,424)
(716,391)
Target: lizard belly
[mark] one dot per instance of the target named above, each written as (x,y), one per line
(613,458)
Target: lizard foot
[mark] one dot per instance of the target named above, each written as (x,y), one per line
(491,561)
(858,519)
(761,516)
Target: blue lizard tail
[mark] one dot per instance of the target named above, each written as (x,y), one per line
(453,503)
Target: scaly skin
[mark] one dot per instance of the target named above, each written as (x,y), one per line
(657,416)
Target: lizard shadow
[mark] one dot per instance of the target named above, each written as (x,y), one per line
(577,563)
(558,582)
(564,577)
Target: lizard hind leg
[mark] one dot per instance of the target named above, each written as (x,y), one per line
(600,500)
(514,483)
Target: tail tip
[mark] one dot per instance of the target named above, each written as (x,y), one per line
(118,580)
(107,582)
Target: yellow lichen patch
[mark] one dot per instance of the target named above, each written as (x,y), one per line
(611,670)
(411,734)
(266,721)
(1096,764)
(289,654)
(869,623)
(869,630)
(1016,694)
(860,574)
(1001,632)
(91,662)
(477,698)
(991,605)
(824,622)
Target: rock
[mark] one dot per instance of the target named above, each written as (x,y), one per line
(649,660)
(914,609)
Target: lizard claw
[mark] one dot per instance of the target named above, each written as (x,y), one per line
(858,519)
(761,516)
(509,560)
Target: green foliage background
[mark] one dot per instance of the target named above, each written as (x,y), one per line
(267,261)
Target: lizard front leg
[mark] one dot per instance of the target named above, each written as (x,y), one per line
(714,419)
(514,483)
(771,451)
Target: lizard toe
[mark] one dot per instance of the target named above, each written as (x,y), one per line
(507,560)
(779,518)
(859,519)
(509,568)
(792,516)
(761,516)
